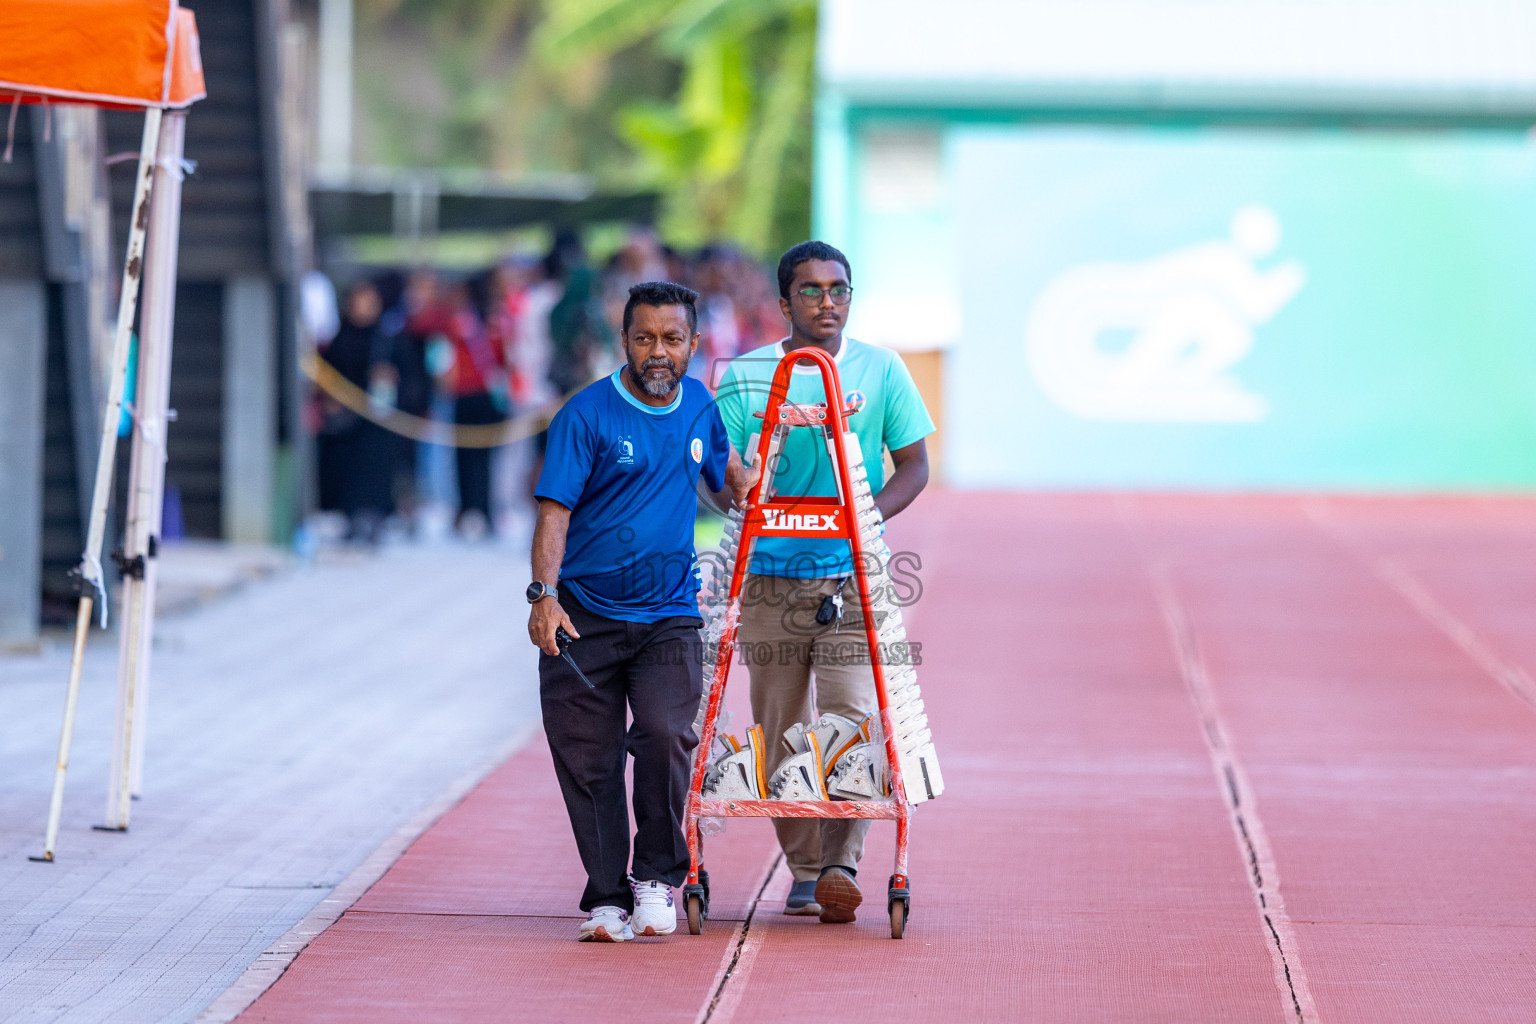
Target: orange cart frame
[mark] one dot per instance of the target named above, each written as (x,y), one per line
(781,414)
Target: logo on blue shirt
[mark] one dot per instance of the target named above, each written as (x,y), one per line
(629,551)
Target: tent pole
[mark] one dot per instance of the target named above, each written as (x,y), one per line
(101,494)
(71,700)
(147,473)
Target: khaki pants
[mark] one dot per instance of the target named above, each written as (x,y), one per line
(784,647)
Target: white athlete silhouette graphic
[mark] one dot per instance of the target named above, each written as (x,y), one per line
(1190,315)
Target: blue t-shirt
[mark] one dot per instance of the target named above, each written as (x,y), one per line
(628,471)
(888,414)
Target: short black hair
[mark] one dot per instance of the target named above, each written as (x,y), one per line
(803,252)
(663,293)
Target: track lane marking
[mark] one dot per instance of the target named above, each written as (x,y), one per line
(1413,590)
(1247,827)
(736,962)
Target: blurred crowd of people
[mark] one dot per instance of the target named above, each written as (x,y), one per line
(484,347)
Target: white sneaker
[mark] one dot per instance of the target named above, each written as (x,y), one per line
(654,911)
(606,924)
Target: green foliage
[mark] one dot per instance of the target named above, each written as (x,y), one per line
(453,83)
(720,149)
(707,100)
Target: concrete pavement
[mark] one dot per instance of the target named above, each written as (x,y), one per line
(294,726)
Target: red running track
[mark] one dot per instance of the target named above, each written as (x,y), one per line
(1209,759)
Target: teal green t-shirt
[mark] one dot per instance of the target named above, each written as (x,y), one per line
(890,414)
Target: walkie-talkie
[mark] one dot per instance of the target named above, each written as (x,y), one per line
(563,640)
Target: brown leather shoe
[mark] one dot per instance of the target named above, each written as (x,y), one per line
(838,895)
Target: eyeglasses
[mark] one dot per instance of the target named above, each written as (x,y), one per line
(840,293)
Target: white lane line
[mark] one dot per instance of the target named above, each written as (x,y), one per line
(278,957)
(730,981)
(1247,827)
(1413,590)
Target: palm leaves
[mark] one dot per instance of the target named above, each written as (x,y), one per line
(719,149)
(707,100)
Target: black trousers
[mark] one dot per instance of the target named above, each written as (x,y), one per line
(657,669)
(474,464)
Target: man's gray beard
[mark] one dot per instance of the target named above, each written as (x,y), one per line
(656,388)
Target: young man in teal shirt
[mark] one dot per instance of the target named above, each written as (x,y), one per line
(789,578)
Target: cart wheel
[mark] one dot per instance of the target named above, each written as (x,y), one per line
(899,902)
(695,914)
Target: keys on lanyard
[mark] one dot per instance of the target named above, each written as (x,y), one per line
(831,609)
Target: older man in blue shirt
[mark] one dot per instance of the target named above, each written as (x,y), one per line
(617,502)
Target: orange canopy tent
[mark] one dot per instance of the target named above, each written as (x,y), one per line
(123,54)
(115,53)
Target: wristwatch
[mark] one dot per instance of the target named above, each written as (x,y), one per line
(539,591)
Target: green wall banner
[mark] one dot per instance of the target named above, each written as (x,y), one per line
(1243,308)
